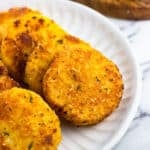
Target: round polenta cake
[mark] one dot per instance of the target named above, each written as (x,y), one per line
(23,35)
(27,122)
(83,86)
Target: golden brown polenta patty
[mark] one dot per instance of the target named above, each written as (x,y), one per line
(37,64)
(12,14)
(27,122)
(83,86)
(23,35)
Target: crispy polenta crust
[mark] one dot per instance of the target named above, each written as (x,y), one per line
(83,86)
(23,35)
(36,66)
(11,14)
(7,83)
(27,122)
(39,60)
(3,69)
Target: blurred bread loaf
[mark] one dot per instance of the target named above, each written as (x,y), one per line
(128,9)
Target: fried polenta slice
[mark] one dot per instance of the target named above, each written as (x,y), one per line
(27,122)
(36,66)
(39,60)
(83,86)
(17,44)
(11,14)
(22,36)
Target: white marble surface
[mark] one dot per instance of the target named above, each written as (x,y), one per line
(138,135)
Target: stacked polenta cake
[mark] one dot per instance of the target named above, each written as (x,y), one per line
(45,71)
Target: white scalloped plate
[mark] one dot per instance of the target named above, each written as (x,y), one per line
(97,30)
